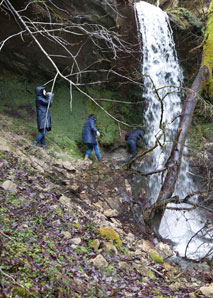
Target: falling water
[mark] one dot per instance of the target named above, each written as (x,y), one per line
(163,79)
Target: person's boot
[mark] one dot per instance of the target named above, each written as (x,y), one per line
(86,157)
(35,144)
(44,146)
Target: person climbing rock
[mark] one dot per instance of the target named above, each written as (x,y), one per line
(132,138)
(44,101)
(89,136)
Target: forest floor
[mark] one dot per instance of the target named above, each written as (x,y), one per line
(51,210)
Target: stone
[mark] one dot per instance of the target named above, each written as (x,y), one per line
(115,223)
(66,234)
(76,240)
(175,286)
(130,237)
(137,252)
(144,261)
(53,207)
(68,166)
(110,234)
(127,294)
(56,223)
(207,290)
(9,185)
(128,187)
(75,186)
(124,265)
(96,244)
(113,202)
(98,205)
(65,201)
(99,261)
(145,245)
(4,146)
(24,226)
(164,250)
(110,248)
(111,213)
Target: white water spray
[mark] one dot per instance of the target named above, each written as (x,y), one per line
(163,80)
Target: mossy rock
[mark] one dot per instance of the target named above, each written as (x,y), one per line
(20,292)
(151,274)
(155,257)
(185,19)
(110,234)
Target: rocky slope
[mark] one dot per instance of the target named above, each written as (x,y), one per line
(67,231)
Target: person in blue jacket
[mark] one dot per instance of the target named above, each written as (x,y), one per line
(132,138)
(89,136)
(43,103)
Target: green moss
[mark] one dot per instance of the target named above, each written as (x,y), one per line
(208,54)
(151,274)
(109,127)
(20,292)
(65,121)
(197,137)
(192,19)
(106,125)
(62,142)
(184,18)
(110,234)
(155,257)
(17,100)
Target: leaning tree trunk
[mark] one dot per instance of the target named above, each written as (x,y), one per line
(207,86)
(202,82)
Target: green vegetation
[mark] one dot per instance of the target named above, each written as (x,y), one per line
(200,134)
(107,126)
(184,17)
(110,234)
(17,100)
(208,55)
(155,257)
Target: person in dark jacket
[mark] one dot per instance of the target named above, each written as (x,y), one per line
(89,136)
(43,103)
(132,138)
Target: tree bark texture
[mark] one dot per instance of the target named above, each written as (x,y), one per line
(208,54)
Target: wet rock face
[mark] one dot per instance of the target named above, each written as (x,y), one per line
(22,54)
(92,27)
(87,41)
(92,10)
(196,5)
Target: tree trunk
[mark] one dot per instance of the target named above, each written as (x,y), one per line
(202,82)
(208,54)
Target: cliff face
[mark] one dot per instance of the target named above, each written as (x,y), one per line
(22,54)
(76,35)
(196,6)
(79,36)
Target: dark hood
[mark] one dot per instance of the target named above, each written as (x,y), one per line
(92,117)
(38,91)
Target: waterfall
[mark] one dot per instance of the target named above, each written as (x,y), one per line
(163,79)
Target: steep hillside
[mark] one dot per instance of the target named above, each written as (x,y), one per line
(67,231)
